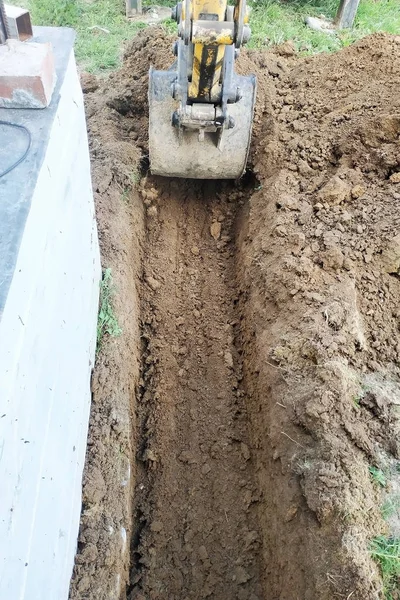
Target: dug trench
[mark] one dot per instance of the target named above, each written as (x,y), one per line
(239,419)
(195,493)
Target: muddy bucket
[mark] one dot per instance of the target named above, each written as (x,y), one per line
(178,152)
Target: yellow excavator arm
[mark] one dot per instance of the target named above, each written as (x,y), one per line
(201,111)
(208,58)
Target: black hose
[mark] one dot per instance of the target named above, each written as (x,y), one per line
(25,154)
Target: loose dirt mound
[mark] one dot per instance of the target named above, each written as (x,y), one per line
(256,381)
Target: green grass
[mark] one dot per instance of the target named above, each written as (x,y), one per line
(386,551)
(276,21)
(96,50)
(378,476)
(272,22)
(391,506)
(107,323)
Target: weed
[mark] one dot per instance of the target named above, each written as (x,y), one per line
(302,466)
(364,390)
(59,13)
(386,551)
(107,321)
(135,177)
(125,196)
(378,476)
(391,506)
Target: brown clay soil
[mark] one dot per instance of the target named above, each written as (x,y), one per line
(256,381)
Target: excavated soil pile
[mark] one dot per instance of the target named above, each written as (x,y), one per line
(237,421)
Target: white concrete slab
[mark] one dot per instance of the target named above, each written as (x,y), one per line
(47,346)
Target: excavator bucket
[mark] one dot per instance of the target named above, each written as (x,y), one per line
(184,152)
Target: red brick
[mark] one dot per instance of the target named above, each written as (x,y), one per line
(27,74)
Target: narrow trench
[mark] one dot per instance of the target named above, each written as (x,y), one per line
(196,531)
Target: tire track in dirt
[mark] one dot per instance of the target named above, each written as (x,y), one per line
(195,497)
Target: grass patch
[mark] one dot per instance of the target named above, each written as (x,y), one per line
(272,22)
(386,551)
(135,177)
(276,21)
(107,323)
(378,476)
(391,506)
(101,26)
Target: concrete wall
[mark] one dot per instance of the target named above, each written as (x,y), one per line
(47,345)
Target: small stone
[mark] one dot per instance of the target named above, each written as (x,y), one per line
(203,553)
(153,283)
(374,366)
(187,457)
(290,513)
(286,49)
(228,359)
(316,297)
(83,584)
(391,256)
(347,264)
(215,230)
(156,526)
(241,576)
(195,250)
(395,178)
(245,451)
(152,194)
(152,212)
(149,455)
(334,192)
(281,230)
(333,258)
(357,191)
(205,469)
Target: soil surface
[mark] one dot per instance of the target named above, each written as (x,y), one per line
(236,420)
(196,490)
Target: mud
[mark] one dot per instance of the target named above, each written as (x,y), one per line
(256,381)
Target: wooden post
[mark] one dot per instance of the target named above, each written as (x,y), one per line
(346,13)
(133,7)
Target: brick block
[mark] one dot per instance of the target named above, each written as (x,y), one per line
(27,74)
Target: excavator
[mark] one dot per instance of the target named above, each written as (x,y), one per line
(200,110)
